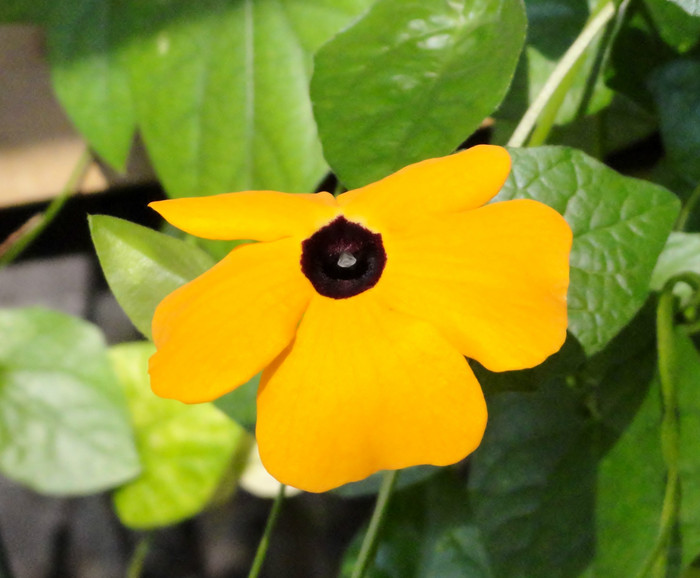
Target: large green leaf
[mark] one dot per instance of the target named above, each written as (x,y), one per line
(88,74)
(620,226)
(64,427)
(143,266)
(412,80)
(186,450)
(676,91)
(221,90)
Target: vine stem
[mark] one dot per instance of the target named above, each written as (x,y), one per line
(369,543)
(265,540)
(139,556)
(657,561)
(25,235)
(561,71)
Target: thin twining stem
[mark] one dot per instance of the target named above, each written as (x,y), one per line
(265,540)
(369,544)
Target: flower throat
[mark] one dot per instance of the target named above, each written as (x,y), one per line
(343,259)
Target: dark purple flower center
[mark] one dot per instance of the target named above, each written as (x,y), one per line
(343,259)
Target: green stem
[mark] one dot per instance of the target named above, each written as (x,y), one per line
(11,248)
(265,540)
(687,209)
(369,544)
(138,558)
(656,563)
(551,90)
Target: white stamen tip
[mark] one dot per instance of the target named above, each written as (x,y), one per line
(346,260)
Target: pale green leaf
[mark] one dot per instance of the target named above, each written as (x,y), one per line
(64,427)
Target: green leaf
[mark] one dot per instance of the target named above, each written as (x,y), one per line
(143,266)
(221,90)
(412,80)
(631,484)
(692,7)
(427,534)
(620,226)
(687,367)
(676,91)
(88,74)
(64,427)
(186,450)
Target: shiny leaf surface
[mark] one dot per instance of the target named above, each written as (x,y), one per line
(412,80)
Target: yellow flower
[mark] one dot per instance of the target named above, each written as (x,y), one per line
(360,310)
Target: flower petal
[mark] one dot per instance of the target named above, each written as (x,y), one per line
(256,215)
(464,180)
(494,280)
(219,330)
(363,389)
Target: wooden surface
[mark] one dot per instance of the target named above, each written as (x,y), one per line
(38,145)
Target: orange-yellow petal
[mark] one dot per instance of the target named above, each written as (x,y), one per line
(464,180)
(256,215)
(493,280)
(216,332)
(363,389)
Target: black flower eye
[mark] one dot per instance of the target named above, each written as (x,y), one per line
(343,259)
